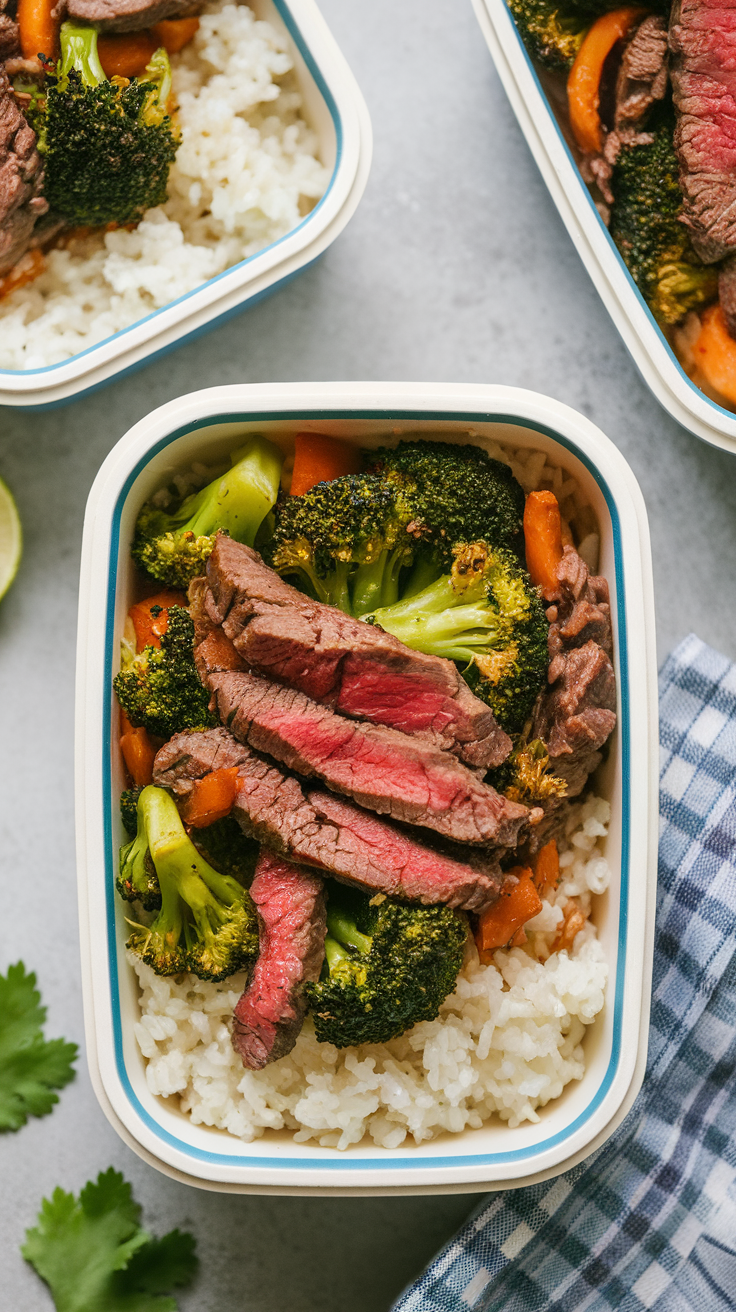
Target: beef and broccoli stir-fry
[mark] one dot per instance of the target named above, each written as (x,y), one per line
(353,741)
(650,107)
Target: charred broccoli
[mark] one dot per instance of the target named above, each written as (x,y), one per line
(107,145)
(387,966)
(646,228)
(228,849)
(173,545)
(552,32)
(160,688)
(129,810)
(454,495)
(527,775)
(207,923)
(486,614)
(346,541)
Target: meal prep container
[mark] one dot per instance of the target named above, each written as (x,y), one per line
(334,108)
(548,137)
(206,426)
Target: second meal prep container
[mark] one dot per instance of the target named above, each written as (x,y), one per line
(206,426)
(547,141)
(334,108)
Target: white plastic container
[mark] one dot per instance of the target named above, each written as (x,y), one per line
(647,344)
(334,108)
(204,426)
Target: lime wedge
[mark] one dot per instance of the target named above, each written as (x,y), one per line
(11,538)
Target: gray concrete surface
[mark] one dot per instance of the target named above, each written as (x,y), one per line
(456,267)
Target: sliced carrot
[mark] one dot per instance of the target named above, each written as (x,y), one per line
(125,54)
(149,628)
(573,920)
(715,352)
(543,540)
(318,458)
(38,26)
(514,907)
(138,753)
(211,798)
(547,866)
(174,33)
(29,266)
(583,84)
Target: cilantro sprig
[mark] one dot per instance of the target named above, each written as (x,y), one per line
(95,1257)
(31,1067)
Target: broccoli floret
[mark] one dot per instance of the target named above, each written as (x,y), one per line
(136,879)
(173,546)
(207,923)
(346,541)
(228,849)
(160,688)
(552,32)
(455,495)
(486,615)
(129,810)
(387,966)
(646,228)
(107,146)
(526,774)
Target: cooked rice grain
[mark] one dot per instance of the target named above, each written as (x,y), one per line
(507,1041)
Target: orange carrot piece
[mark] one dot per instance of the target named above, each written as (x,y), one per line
(138,753)
(573,920)
(715,352)
(318,458)
(38,25)
(547,866)
(174,33)
(125,54)
(149,628)
(583,84)
(211,798)
(543,540)
(514,907)
(29,266)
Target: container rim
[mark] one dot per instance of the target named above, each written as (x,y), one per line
(474,405)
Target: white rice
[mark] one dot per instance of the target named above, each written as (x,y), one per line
(245,174)
(507,1041)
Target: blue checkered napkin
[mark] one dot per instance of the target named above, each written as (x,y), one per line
(649,1221)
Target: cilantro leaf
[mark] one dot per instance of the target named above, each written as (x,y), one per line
(31,1067)
(95,1257)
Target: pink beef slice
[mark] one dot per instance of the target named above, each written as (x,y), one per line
(353,667)
(315,828)
(703,43)
(379,768)
(290,903)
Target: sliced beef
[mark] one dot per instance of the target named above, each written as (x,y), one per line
(316,828)
(576,715)
(641,81)
(9,36)
(703,42)
(353,667)
(380,768)
(128,15)
(292,923)
(21,179)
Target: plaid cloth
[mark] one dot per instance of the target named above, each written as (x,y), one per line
(649,1220)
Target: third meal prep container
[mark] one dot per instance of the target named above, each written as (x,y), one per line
(334,108)
(206,426)
(547,137)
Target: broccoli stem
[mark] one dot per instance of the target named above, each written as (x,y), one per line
(79,53)
(377,584)
(335,954)
(344,930)
(435,622)
(240,500)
